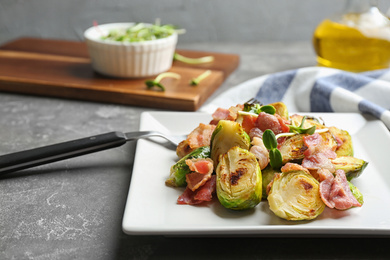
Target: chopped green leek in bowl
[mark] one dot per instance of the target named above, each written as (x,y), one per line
(141,32)
(131,50)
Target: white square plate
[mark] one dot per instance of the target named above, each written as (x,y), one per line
(151,207)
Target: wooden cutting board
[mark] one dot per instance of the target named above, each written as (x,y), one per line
(62,69)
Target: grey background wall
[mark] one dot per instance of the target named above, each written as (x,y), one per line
(204,20)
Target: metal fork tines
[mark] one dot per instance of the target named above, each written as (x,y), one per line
(175,140)
(254,101)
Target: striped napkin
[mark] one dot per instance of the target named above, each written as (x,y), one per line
(316,89)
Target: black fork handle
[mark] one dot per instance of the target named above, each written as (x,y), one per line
(56,152)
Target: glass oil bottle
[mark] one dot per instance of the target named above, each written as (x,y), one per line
(356,40)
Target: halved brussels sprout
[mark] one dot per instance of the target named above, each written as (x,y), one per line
(239,181)
(226,135)
(293,147)
(346,148)
(356,193)
(281,109)
(295,195)
(353,167)
(177,177)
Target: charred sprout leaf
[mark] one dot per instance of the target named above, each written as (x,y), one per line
(295,195)
(177,177)
(156,82)
(197,80)
(205,59)
(353,167)
(239,180)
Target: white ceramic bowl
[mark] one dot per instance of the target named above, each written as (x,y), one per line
(128,59)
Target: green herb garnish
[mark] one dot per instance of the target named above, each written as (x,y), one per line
(188,60)
(257,108)
(300,130)
(268,109)
(197,80)
(271,143)
(157,81)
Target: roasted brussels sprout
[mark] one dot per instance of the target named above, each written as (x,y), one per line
(356,193)
(239,180)
(280,109)
(346,148)
(293,147)
(295,195)
(353,167)
(177,177)
(226,135)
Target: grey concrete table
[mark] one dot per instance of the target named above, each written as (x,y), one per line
(73,209)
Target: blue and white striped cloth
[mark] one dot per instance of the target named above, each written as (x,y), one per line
(316,89)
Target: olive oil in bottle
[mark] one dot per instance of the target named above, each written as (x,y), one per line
(354,41)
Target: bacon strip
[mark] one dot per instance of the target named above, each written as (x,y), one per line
(226,114)
(335,192)
(200,136)
(201,172)
(204,193)
(290,167)
(317,155)
(201,165)
(248,123)
(273,122)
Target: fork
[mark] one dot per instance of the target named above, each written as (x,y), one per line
(46,154)
(254,101)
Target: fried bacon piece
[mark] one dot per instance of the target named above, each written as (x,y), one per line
(201,170)
(335,192)
(199,137)
(317,155)
(273,122)
(226,114)
(202,194)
